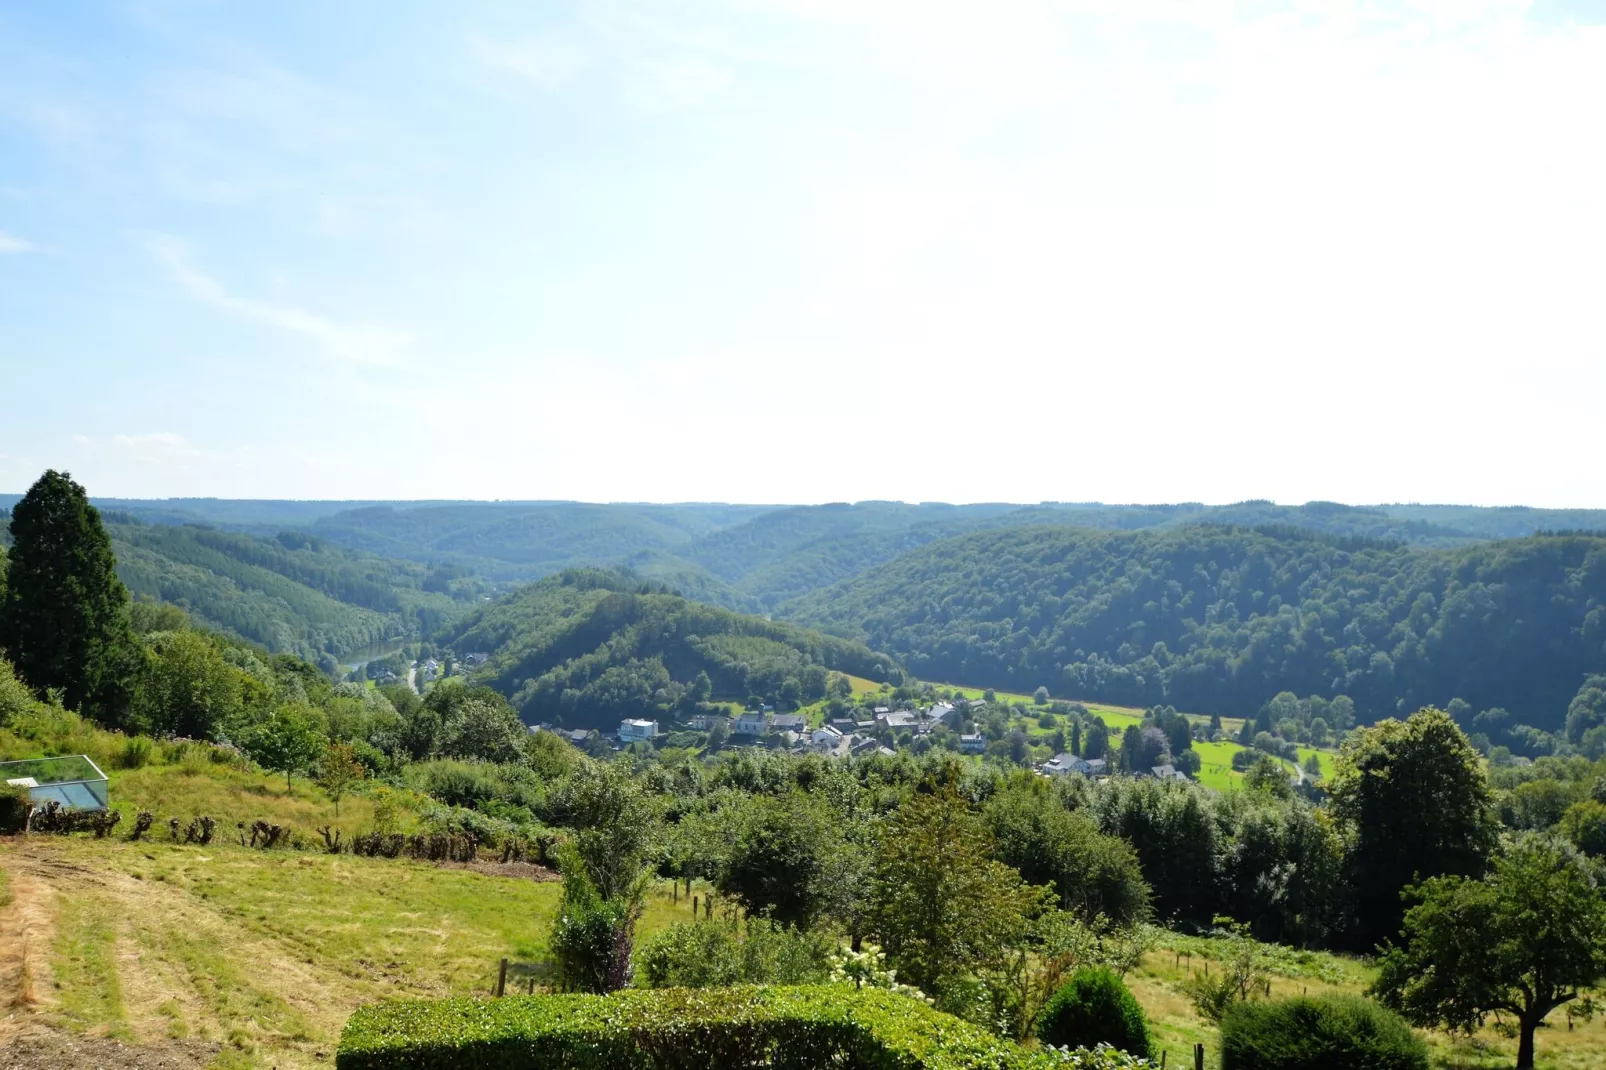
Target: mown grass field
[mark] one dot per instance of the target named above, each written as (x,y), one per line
(265,954)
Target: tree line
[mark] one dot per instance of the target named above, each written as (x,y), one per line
(1221,620)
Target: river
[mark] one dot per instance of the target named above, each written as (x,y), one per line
(372,652)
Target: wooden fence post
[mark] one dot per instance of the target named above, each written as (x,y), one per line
(501,979)
(1198,1057)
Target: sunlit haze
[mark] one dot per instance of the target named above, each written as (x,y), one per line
(806,250)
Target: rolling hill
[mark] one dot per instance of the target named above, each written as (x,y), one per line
(292,593)
(1218,620)
(589,647)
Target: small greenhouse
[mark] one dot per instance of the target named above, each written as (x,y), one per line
(72,780)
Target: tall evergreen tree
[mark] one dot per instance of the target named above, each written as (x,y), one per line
(64,612)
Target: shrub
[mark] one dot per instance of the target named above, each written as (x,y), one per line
(702,954)
(135,753)
(709,954)
(1318,1033)
(15,698)
(1092,1008)
(15,804)
(784,1028)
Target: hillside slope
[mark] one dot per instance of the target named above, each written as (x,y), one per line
(754,557)
(589,647)
(522,542)
(292,593)
(1216,619)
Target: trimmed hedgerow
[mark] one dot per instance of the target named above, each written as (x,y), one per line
(1318,1033)
(1094,1007)
(789,1028)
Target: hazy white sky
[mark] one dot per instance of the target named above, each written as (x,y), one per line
(807,250)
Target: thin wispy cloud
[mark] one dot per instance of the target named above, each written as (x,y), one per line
(156,446)
(10,243)
(353,342)
(616,220)
(546,61)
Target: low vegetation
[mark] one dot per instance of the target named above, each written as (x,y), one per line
(1094,1008)
(725,1029)
(1318,1033)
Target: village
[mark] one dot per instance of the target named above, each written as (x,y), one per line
(844,737)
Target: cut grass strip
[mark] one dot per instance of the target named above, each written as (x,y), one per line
(88,989)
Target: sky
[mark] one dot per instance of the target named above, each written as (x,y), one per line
(806,250)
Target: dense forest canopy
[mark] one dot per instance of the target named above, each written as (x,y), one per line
(589,647)
(1392,606)
(292,593)
(1219,620)
(755,557)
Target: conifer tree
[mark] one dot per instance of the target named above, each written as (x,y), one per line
(63,612)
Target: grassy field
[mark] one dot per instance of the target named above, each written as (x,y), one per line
(266,954)
(1216,770)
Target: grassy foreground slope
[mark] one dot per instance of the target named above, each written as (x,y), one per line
(255,959)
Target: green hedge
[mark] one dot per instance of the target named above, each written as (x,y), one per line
(1318,1033)
(786,1028)
(1094,1007)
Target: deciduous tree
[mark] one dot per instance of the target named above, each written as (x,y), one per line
(1529,939)
(338,770)
(1416,801)
(286,742)
(940,904)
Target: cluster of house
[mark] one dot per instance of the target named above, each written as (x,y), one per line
(851,737)
(1066,764)
(841,737)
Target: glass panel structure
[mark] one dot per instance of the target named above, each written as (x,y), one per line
(71,780)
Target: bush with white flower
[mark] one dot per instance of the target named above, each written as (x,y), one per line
(868,967)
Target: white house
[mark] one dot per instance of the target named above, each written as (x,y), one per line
(633,730)
(973,743)
(751,723)
(1061,764)
(826,734)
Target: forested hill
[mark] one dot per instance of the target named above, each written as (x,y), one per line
(589,647)
(754,557)
(1220,619)
(292,593)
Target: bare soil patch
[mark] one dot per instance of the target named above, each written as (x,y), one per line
(41,1048)
(528,871)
